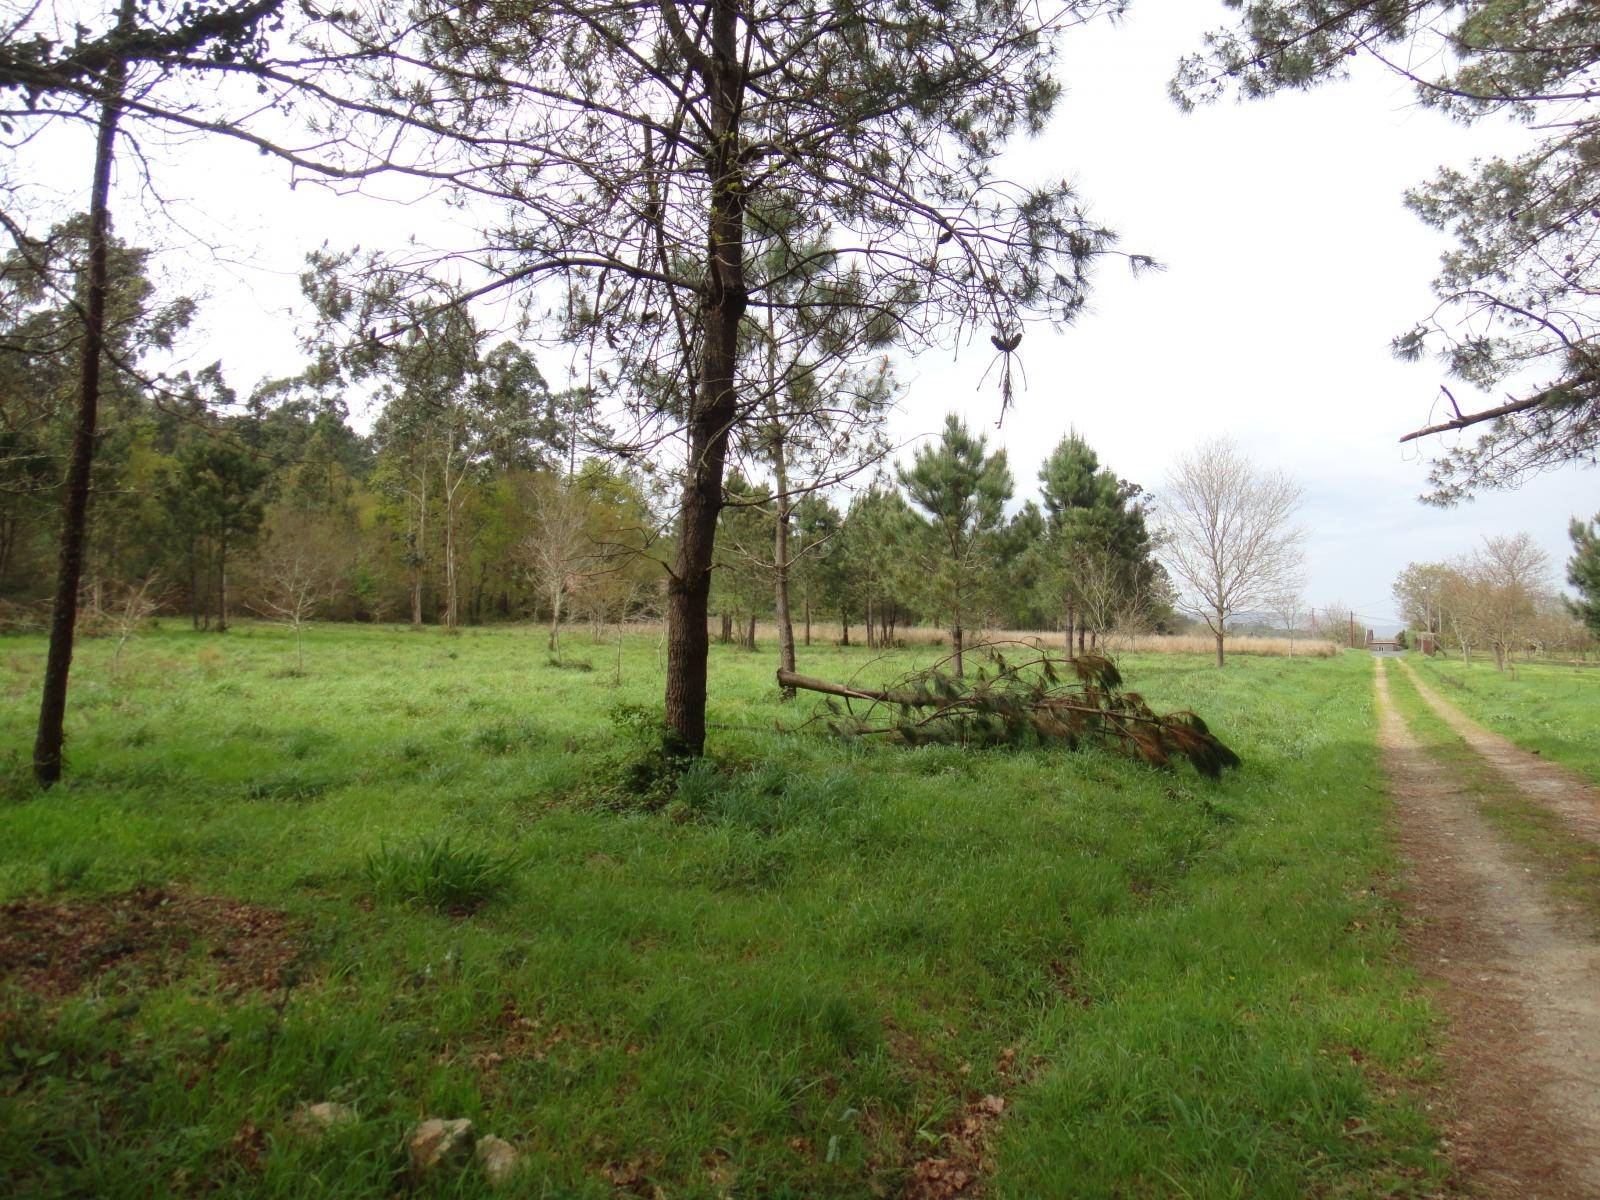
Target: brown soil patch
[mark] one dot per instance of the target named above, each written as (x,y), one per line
(963,1162)
(1519,984)
(1564,792)
(148,933)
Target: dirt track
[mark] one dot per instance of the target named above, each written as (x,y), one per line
(1520,984)
(1544,782)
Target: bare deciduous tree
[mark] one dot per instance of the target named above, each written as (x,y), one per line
(136,604)
(556,549)
(1289,607)
(296,581)
(1232,544)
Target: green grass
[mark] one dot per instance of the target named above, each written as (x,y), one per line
(790,980)
(434,873)
(1569,864)
(1545,707)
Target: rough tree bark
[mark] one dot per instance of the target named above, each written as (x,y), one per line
(715,406)
(47,746)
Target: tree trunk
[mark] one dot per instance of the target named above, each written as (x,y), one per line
(956,635)
(715,407)
(750,637)
(194,585)
(8,537)
(554,644)
(808,617)
(47,745)
(778,452)
(1220,659)
(780,563)
(844,626)
(452,585)
(419,552)
(872,630)
(725,638)
(222,585)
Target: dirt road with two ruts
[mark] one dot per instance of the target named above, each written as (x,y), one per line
(1517,966)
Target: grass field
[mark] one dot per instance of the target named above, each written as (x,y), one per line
(814,969)
(1545,707)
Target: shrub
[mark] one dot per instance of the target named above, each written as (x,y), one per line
(646,777)
(438,875)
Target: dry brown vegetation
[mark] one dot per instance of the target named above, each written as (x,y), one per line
(828,633)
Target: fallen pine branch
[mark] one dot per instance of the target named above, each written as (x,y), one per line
(1039,701)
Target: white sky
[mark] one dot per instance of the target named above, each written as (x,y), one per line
(1290,262)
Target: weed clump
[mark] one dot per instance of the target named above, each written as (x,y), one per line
(652,762)
(436,874)
(288,788)
(505,737)
(569,664)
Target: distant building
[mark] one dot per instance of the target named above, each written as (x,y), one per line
(1383,645)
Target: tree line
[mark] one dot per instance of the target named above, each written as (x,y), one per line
(476,497)
(1499,599)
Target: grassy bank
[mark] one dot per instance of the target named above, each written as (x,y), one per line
(815,969)
(1552,709)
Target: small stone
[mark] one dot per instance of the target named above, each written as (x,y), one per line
(498,1158)
(436,1141)
(314,1120)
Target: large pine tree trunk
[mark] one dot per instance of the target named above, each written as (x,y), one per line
(715,405)
(47,745)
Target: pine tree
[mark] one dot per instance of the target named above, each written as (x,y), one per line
(1095,535)
(1583,572)
(642,151)
(962,489)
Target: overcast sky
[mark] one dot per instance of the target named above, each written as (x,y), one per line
(1290,263)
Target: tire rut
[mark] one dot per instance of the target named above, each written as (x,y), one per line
(1520,986)
(1564,792)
